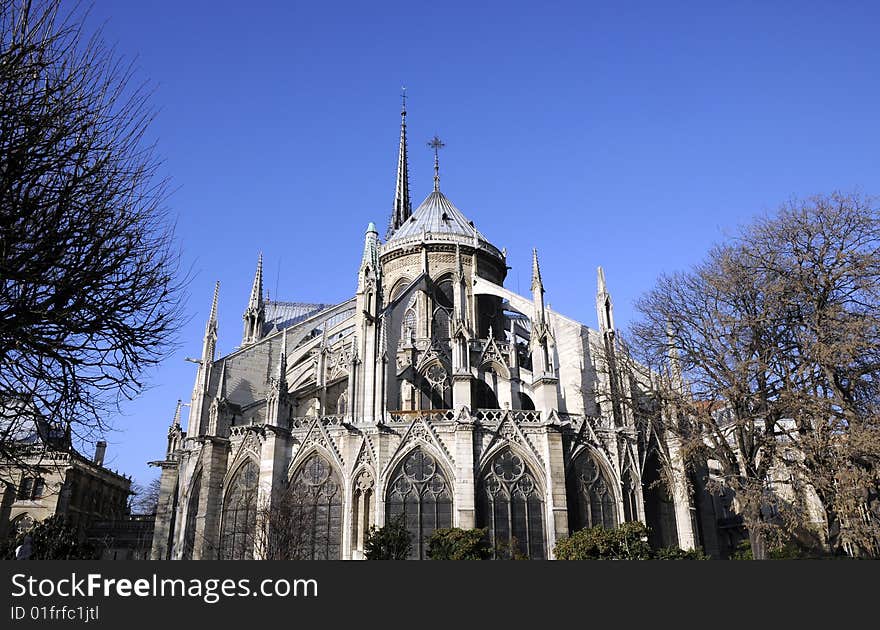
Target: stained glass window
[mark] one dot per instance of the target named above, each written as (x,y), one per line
(591,501)
(420,492)
(192,511)
(511,507)
(317,493)
(238,529)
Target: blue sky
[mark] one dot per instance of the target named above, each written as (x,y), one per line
(628,135)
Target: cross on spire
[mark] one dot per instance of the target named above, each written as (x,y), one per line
(436,144)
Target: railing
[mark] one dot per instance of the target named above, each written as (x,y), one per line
(405,417)
(300,422)
(577,420)
(478,345)
(434,415)
(519,416)
(428,236)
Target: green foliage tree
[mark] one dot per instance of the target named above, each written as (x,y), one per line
(391,542)
(459,544)
(52,539)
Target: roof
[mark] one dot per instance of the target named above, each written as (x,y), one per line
(437,215)
(280,315)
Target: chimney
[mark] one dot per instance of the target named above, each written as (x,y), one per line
(100,449)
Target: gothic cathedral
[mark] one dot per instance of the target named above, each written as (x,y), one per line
(434,394)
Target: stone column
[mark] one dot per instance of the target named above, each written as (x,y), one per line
(165,510)
(680,496)
(214,456)
(557,501)
(271,481)
(464,498)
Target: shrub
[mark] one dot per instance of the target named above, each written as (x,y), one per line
(627,542)
(459,544)
(391,542)
(52,539)
(675,553)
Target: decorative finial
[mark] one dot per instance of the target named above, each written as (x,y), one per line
(436,144)
(176,421)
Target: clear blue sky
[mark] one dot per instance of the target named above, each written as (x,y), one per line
(628,135)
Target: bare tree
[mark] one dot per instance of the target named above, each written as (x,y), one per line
(283,529)
(145,500)
(704,328)
(764,358)
(88,292)
(823,256)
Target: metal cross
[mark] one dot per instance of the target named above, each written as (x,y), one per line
(436,144)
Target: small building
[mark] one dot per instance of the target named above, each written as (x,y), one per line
(48,476)
(128,538)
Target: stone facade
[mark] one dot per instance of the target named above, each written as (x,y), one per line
(49,480)
(434,393)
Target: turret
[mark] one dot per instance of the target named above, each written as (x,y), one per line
(209,344)
(537,289)
(175,434)
(604,307)
(277,403)
(219,404)
(255,313)
(542,347)
(368,301)
(209,348)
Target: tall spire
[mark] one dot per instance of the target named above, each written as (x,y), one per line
(256,300)
(282,358)
(211,326)
(536,272)
(604,306)
(210,344)
(254,314)
(402,209)
(436,144)
(176,421)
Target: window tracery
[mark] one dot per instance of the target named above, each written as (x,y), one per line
(317,494)
(511,506)
(591,499)
(239,519)
(192,511)
(420,493)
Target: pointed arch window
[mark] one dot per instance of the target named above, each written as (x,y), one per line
(239,524)
(192,511)
(630,502)
(342,403)
(591,500)
(435,387)
(420,492)
(440,323)
(408,329)
(316,494)
(511,506)
(362,511)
